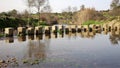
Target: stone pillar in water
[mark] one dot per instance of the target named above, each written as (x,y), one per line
(21,31)
(38,30)
(85,28)
(9,31)
(79,28)
(30,31)
(73,28)
(47,30)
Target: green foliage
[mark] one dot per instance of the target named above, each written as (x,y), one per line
(1,35)
(43,23)
(58,31)
(106,14)
(33,22)
(91,22)
(11,22)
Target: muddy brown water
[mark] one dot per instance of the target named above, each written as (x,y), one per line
(73,50)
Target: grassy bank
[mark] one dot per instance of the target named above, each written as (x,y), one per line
(92,22)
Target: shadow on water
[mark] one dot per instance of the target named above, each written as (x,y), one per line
(9,40)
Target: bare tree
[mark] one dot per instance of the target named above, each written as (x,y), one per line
(38,4)
(46,8)
(29,4)
(82,7)
(114,4)
(74,9)
(69,9)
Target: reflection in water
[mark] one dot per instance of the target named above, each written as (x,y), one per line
(99,31)
(71,35)
(87,34)
(114,37)
(36,49)
(81,51)
(21,38)
(48,36)
(117,32)
(54,35)
(105,32)
(92,34)
(39,37)
(9,39)
(31,37)
(61,35)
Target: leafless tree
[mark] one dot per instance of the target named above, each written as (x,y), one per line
(46,8)
(29,4)
(74,9)
(82,7)
(38,4)
(114,4)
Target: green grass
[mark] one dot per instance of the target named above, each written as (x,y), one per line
(92,22)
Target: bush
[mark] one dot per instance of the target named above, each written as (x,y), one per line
(1,35)
(43,23)
(11,22)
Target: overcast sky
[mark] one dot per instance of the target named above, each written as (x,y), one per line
(57,5)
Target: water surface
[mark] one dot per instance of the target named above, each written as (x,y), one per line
(73,50)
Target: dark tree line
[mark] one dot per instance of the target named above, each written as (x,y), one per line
(11,22)
(11,19)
